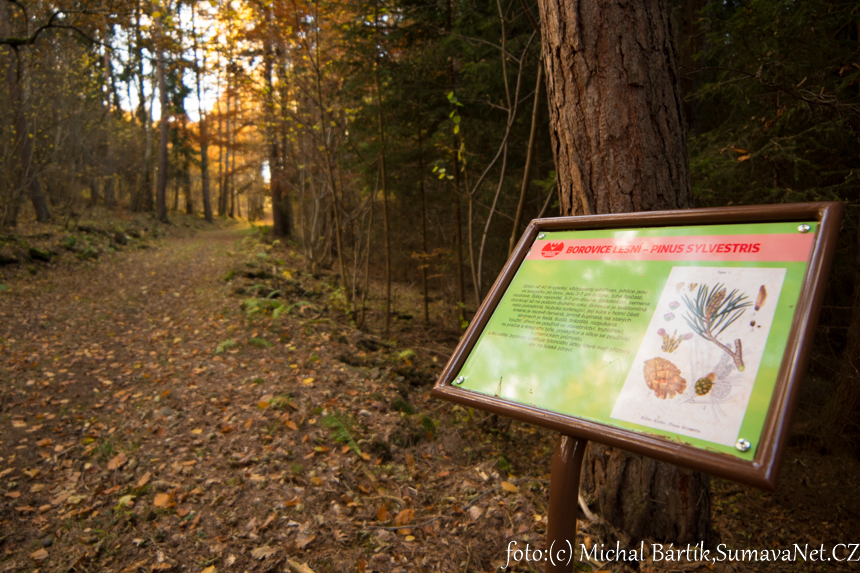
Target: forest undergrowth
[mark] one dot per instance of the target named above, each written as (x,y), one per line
(194,400)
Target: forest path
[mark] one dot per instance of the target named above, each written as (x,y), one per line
(150,421)
(80,330)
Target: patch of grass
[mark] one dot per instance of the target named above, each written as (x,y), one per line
(254,306)
(297,468)
(69,242)
(281,402)
(429,426)
(260,343)
(401,405)
(226,345)
(88,253)
(104,450)
(407,354)
(343,427)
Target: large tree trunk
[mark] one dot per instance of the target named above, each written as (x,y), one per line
(619,138)
(615,106)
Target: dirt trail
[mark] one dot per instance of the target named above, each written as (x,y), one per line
(148,424)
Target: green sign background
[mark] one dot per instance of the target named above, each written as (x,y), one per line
(521,365)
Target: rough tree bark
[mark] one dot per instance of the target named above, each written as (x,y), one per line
(615,105)
(619,141)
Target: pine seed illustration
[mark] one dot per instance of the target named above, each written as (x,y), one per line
(762,296)
(704,384)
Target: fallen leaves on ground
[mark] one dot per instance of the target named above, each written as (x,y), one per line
(134,445)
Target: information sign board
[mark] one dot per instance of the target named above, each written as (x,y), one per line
(678,335)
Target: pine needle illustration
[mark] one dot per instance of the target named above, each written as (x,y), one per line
(713,311)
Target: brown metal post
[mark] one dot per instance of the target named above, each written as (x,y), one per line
(563,503)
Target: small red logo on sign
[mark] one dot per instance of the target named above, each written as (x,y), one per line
(552,249)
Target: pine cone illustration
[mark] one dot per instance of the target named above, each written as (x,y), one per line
(715,302)
(664,378)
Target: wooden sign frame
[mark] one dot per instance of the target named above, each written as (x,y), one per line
(763,470)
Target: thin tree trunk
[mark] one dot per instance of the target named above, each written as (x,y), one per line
(458,235)
(109,195)
(144,201)
(18,87)
(161,191)
(186,187)
(231,172)
(225,185)
(344,280)
(367,261)
(512,106)
(94,192)
(530,154)
(13,198)
(221,169)
(385,219)
(280,218)
(286,203)
(203,125)
(424,261)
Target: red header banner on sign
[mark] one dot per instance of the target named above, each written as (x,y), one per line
(753,248)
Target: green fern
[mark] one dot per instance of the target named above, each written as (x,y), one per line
(343,427)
